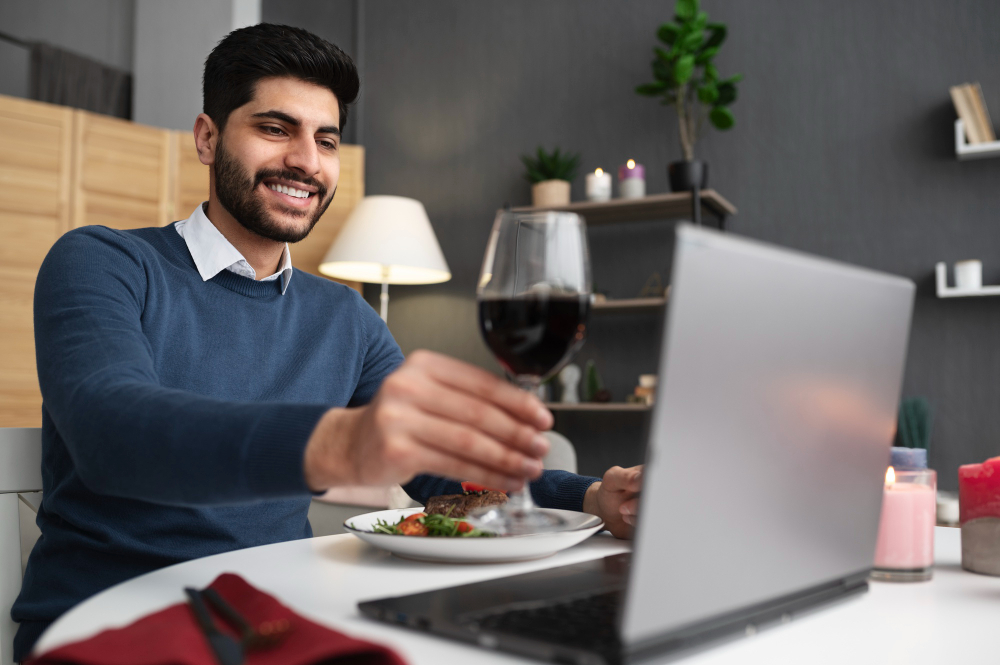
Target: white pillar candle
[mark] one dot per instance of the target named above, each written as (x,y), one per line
(598,186)
(969,274)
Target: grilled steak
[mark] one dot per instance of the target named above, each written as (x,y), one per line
(462,504)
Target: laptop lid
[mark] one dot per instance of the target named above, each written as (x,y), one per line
(780,379)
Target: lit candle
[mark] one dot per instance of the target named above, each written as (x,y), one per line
(979,515)
(632,180)
(598,185)
(905,548)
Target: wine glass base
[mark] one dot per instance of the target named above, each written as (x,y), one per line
(516,521)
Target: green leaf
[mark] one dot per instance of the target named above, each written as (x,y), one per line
(683,69)
(734,79)
(662,72)
(708,93)
(651,89)
(700,21)
(662,55)
(718,35)
(686,9)
(692,40)
(722,118)
(711,73)
(706,55)
(668,33)
(727,94)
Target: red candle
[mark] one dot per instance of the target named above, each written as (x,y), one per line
(979,490)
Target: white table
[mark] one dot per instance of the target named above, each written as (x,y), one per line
(953,618)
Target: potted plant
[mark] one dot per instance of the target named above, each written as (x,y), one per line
(686,78)
(550,175)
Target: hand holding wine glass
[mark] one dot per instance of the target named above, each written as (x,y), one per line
(534,301)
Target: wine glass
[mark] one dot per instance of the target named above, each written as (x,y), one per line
(534,300)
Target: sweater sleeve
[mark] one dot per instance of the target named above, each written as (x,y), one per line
(555,489)
(127,434)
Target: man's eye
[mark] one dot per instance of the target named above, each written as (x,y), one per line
(329,145)
(273,131)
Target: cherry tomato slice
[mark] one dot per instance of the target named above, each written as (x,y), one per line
(464,527)
(476,487)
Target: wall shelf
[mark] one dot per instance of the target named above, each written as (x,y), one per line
(945,291)
(629,305)
(596,406)
(965,151)
(658,206)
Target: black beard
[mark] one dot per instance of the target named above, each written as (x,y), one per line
(237,193)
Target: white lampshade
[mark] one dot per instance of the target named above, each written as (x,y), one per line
(387,239)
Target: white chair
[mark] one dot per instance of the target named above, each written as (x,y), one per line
(20,494)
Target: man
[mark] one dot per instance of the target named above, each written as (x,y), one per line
(191,406)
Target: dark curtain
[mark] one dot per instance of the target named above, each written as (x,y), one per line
(65,78)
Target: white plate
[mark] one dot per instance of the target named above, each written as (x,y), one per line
(474,550)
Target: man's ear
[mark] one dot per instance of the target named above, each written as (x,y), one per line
(206,138)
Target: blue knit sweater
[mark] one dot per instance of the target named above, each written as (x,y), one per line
(176,412)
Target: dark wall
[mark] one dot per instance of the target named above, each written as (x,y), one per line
(843,147)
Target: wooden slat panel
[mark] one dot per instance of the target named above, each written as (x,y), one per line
(35,167)
(307,254)
(122,173)
(190,178)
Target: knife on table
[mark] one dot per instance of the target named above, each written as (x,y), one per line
(226,649)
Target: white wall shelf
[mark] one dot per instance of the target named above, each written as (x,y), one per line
(596,406)
(945,291)
(966,151)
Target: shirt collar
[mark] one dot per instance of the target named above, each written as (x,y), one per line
(213,253)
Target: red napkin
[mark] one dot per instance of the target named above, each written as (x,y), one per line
(172,637)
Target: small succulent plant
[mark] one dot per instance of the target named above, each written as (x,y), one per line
(553,165)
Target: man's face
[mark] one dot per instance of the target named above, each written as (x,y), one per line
(278,160)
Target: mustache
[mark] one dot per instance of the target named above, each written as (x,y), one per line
(291,176)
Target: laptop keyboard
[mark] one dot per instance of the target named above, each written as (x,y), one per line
(585,622)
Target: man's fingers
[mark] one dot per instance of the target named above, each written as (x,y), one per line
(617,479)
(629,508)
(472,447)
(456,406)
(479,382)
(441,464)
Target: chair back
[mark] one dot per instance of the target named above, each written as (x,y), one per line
(20,472)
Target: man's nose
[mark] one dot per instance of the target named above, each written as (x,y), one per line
(303,156)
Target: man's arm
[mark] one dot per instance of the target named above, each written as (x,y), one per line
(127,434)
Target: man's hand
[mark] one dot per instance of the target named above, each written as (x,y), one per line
(615,499)
(433,415)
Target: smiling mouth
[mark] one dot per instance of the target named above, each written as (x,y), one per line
(290,191)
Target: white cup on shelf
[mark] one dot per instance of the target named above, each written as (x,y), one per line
(969,274)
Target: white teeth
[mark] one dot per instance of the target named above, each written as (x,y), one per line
(291,191)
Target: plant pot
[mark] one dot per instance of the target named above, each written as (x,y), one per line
(550,194)
(687,176)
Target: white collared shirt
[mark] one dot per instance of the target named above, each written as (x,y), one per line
(212,253)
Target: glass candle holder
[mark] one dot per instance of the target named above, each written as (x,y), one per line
(905,549)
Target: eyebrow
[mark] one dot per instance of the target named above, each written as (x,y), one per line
(284,117)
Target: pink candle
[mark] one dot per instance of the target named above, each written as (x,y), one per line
(906,530)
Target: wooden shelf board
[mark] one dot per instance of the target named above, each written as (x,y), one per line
(657,206)
(965,151)
(629,304)
(596,406)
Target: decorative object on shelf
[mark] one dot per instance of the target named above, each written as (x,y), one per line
(569,380)
(913,428)
(971,109)
(979,515)
(593,388)
(966,151)
(645,392)
(550,175)
(631,180)
(905,548)
(969,274)
(599,185)
(686,78)
(945,291)
(387,240)
(947,508)
(653,288)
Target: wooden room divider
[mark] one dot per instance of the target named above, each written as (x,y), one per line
(61,168)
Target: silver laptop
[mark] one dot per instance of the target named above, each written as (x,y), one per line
(780,378)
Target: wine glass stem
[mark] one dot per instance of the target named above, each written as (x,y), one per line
(521,499)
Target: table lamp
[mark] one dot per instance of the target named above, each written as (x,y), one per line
(387,240)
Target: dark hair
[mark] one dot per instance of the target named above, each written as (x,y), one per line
(247,55)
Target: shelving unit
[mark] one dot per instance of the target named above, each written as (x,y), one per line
(966,151)
(658,206)
(945,291)
(596,406)
(629,305)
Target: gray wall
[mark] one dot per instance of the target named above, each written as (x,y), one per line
(98,29)
(843,147)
